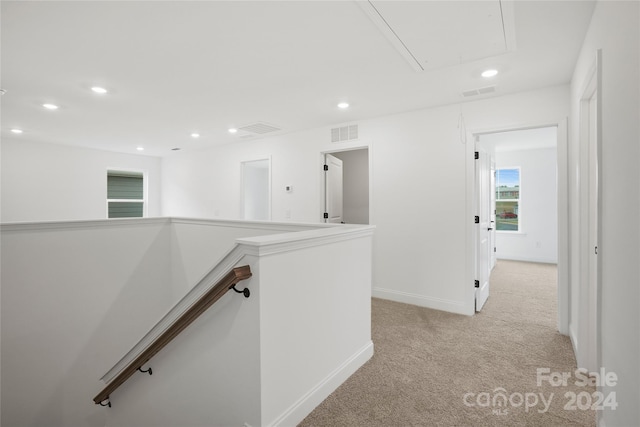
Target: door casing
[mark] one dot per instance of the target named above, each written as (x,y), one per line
(563,216)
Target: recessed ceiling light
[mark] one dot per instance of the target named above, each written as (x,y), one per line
(98,89)
(343,105)
(489,73)
(233,130)
(16,130)
(140,148)
(195,135)
(50,106)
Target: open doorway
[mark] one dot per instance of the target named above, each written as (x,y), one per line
(523,197)
(256,190)
(352,194)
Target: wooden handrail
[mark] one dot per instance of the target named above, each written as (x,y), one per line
(207,300)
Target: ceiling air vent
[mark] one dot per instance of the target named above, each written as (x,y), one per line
(344,133)
(480,91)
(259,128)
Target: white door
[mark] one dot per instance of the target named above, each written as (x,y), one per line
(483,226)
(333,189)
(492,213)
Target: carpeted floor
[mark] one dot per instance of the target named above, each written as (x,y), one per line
(432,368)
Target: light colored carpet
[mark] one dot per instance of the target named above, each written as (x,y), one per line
(427,361)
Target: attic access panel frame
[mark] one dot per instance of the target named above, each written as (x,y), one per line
(422,33)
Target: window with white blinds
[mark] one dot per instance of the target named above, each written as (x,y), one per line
(125,194)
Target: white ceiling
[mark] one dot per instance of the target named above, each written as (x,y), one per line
(177,67)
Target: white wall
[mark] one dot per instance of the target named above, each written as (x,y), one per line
(47,182)
(355,166)
(207,376)
(270,359)
(75,299)
(537,240)
(315,321)
(614,29)
(197,245)
(418,169)
(78,296)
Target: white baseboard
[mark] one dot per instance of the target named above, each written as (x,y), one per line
(307,403)
(423,301)
(528,259)
(574,341)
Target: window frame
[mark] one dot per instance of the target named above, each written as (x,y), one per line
(145,187)
(518,200)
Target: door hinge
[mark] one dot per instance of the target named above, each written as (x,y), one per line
(476,155)
(477,283)
(326,167)
(476,219)
(326,215)
(494,249)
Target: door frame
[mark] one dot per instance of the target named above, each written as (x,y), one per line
(588,339)
(563,212)
(322,187)
(330,177)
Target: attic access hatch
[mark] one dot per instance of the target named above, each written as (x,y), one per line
(437,34)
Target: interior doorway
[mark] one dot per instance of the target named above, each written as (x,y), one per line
(354,189)
(524,203)
(256,190)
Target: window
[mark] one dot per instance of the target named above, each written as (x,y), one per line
(125,194)
(508,199)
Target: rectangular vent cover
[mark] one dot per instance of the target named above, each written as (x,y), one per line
(259,128)
(480,91)
(344,133)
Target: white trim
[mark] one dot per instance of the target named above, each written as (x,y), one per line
(310,400)
(589,323)
(278,243)
(284,227)
(118,222)
(458,307)
(562,200)
(528,259)
(573,336)
(83,224)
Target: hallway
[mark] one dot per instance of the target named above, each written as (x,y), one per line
(436,368)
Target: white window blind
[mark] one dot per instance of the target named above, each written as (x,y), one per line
(125,194)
